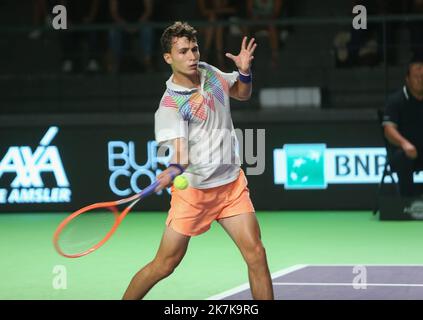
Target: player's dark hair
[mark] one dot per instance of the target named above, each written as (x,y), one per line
(178,29)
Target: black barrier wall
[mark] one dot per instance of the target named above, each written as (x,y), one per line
(309,162)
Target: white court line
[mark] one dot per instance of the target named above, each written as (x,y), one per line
(358,284)
(246,286)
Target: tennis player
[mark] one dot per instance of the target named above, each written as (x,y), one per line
(194,116)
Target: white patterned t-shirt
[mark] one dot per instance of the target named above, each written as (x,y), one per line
(203,117)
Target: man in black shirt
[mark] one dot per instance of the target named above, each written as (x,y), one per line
(403,127)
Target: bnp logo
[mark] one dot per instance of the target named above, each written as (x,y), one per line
(314,166)
(305,166)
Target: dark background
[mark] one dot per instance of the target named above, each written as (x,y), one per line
(84,153)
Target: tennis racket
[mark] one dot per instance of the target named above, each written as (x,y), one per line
(90,227)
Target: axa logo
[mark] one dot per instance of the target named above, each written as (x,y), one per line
(28,169)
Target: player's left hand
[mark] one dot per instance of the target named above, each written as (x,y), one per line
(245,57)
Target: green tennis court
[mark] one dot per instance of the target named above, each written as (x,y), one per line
(31,269)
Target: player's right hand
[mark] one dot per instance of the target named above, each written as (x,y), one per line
(166,178)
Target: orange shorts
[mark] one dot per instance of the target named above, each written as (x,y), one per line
(192,211)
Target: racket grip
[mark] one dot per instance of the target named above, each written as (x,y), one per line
(150,189)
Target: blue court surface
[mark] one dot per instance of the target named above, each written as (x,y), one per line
(340,282)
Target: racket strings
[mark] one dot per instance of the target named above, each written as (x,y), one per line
(87,230)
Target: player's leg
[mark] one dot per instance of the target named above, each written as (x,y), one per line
(245,232)
(171,251)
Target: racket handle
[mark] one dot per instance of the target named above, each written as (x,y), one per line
(150,189)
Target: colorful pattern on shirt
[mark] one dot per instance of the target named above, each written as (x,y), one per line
(194,106)
(216,85)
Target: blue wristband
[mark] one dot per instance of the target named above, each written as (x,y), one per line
(245,78)
(177,165)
